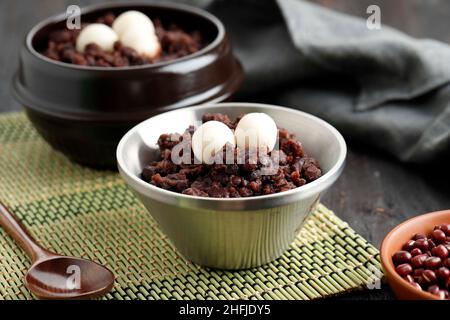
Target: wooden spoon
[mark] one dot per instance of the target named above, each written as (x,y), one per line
(52,276)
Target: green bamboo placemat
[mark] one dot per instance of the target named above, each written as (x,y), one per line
(81,212)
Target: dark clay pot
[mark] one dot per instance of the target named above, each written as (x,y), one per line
(84,111)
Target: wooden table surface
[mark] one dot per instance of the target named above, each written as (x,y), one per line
(374,193)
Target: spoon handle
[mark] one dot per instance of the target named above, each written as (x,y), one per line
(19,233)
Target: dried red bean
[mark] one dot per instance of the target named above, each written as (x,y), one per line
(404,269)
(433,262)
(447,263)
(443,273)
(416,252)
(431,244)
(440,251)
(422,244)
(422,282)
(429,276)
(418,261)
(417,273)
(438,236)
(418,236)
(409,278)
(401,257)
(409,246)
(433,289)
(445,228)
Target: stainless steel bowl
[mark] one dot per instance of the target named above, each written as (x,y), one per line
(240,232)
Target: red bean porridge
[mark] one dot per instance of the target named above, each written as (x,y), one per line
(175,43)
(289,167)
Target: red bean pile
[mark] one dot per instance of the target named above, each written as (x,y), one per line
(425,262)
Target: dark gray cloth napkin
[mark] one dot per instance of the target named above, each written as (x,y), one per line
(380,88)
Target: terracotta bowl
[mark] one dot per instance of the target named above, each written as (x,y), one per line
(396,239)
(84,111)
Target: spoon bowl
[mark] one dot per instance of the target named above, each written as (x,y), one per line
(62,277)
(54,276)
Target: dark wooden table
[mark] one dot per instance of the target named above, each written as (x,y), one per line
(374,193)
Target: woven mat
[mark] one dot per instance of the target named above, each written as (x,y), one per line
(81,212)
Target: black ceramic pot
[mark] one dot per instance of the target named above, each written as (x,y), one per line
(84,111)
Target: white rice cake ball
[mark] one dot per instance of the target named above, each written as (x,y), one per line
(143,43)
(256,130)
(209,139)
(97,33)
(133,20)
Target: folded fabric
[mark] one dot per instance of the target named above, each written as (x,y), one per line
(379,87)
